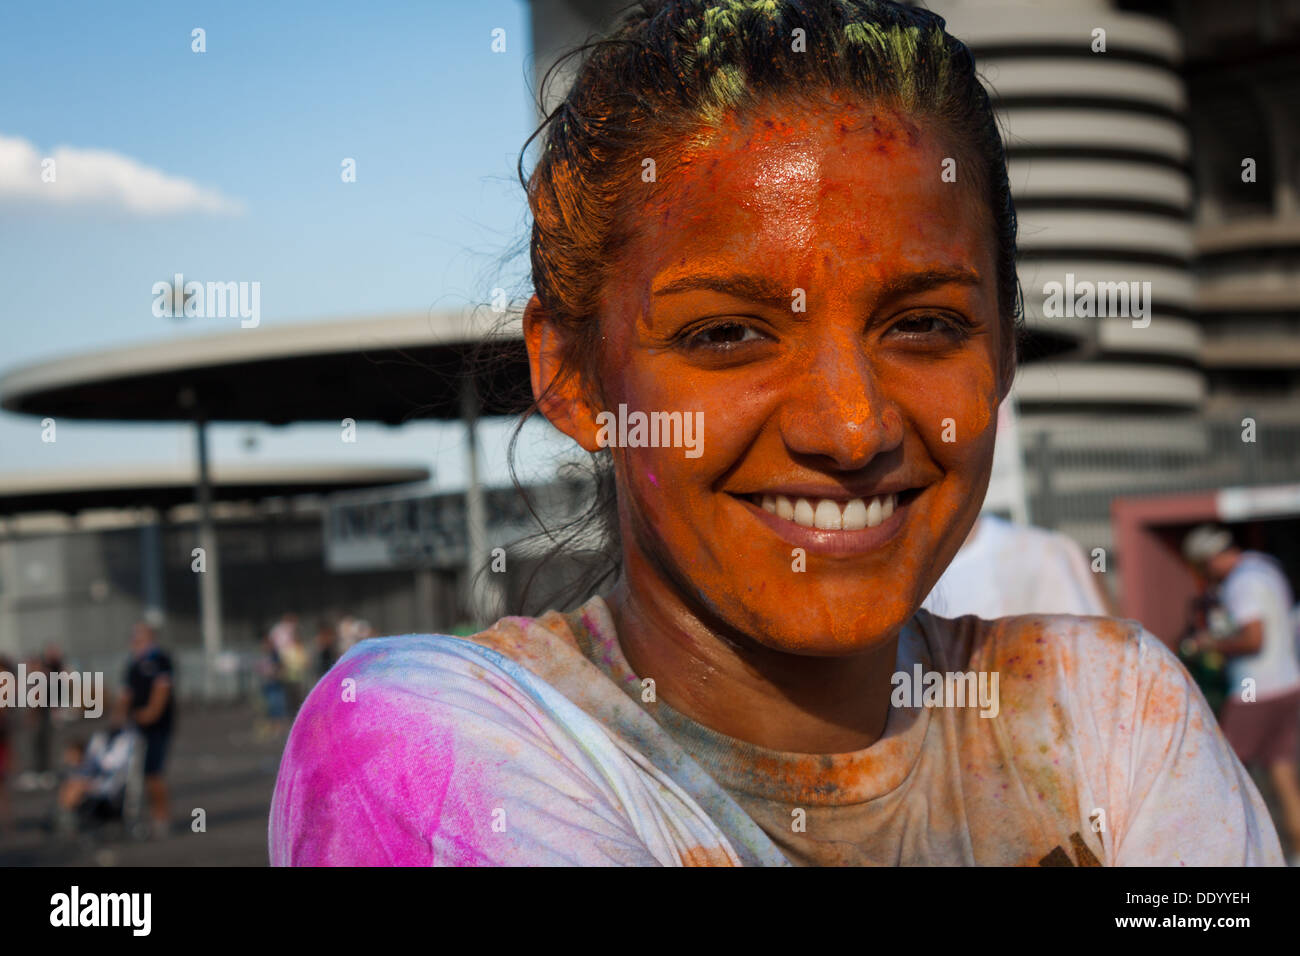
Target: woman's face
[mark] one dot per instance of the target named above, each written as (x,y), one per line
(815,292)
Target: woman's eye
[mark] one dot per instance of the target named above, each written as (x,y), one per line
(929,326)
(724,335)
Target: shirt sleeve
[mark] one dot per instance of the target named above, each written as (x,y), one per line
(1190,801)
(1247,598)
(427,750)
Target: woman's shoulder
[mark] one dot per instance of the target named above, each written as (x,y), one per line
(412,662)
(1013,636)
(1079,658)
(426,748)
(505,658)
(482,686)
(1147,749)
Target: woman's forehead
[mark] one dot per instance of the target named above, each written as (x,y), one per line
(846,185)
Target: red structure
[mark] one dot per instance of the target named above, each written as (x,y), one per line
(1155,585)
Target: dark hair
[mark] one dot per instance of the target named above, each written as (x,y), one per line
(672,69)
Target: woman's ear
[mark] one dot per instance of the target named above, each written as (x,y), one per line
(560,396)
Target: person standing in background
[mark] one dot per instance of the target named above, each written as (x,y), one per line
(292,657)
(270,668)
(1262,708)
(326,648)
(148,695)
(39,773)
(352,630)
(284,632)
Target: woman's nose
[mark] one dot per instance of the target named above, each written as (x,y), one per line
(835,408)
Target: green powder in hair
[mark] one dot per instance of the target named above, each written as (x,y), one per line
(727,85)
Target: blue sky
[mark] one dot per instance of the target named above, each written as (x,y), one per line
(256,126)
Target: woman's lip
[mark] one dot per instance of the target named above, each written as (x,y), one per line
(813,493)
(817,541)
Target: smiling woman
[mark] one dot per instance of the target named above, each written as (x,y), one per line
(791,220)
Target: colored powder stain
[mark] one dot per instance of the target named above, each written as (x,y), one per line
(653,480)
(705,856)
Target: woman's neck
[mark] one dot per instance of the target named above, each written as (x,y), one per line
(738,687)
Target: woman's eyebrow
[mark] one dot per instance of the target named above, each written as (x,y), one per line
(764,290)
(910,283)
(759,289)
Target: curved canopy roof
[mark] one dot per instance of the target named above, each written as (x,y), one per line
(68,490)
(390,369)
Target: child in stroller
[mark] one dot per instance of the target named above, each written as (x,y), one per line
(97,784)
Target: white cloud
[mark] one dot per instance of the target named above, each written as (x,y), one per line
(100,177)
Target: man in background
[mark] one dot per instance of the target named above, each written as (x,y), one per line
(1261,720)
(149,698)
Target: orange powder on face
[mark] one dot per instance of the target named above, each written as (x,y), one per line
(848,392)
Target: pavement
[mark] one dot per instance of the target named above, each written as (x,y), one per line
(217,763)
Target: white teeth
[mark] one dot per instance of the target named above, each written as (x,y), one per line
(803,513)
(873,513)
(826,514)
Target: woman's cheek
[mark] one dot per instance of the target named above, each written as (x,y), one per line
(955,414)
(675,486)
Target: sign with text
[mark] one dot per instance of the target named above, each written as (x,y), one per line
(415,528)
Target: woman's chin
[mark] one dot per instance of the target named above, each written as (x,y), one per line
(822,630)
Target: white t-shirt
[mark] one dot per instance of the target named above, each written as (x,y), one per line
(533,743)
(1007,569)
(109,755)
(1257,590)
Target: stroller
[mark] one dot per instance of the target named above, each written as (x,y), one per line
(105,790)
